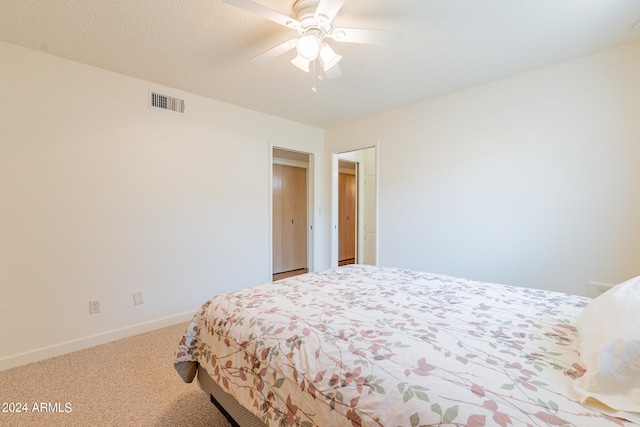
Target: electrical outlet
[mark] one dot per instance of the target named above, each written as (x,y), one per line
(138,298)
(94,306)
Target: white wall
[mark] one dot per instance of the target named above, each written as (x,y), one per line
(532,181)
(101,197)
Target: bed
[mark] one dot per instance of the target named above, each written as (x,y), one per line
(373,346)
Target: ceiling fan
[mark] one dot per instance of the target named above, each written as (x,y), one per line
(313,20)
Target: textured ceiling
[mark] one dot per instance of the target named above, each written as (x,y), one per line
(203,47)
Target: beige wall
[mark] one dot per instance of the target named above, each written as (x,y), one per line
(531,181)
(101,197)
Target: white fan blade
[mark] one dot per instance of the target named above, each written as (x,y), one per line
(327,10)
(357,35)
(265,12)
(273,52)
(333,72)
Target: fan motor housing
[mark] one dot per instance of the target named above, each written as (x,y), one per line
(304,11)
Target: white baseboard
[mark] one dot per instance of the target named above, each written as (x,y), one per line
(92,341)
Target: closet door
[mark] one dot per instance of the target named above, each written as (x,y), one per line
(289,218)
(277,219)
(346,218)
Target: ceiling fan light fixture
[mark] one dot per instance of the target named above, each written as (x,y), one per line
(313,21)
(301,63)
(329,57)
(308,47)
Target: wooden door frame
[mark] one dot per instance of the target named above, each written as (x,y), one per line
(334,238)
(312,192)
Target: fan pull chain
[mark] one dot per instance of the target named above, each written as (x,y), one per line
(314,89)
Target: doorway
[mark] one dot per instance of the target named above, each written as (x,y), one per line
(363,164)
(290,200)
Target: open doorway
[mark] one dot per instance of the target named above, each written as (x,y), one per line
(361,165)
(290,200)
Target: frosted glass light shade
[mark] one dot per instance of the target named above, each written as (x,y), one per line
(301,63)
(328,56)
(308,47)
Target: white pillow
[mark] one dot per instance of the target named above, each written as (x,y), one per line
(609,344)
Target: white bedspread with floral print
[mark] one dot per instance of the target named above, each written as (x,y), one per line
(373,346)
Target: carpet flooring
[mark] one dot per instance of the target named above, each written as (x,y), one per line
(129,382)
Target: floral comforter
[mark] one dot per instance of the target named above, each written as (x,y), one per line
(373,346)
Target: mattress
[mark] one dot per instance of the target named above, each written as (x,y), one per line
(374,346)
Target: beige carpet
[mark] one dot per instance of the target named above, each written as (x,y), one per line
(130,382)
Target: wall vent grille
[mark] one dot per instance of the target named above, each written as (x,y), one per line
(164,102)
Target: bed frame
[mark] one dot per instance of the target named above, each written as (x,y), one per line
(236,414)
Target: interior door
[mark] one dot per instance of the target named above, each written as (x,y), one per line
(289,218)
(347,219)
